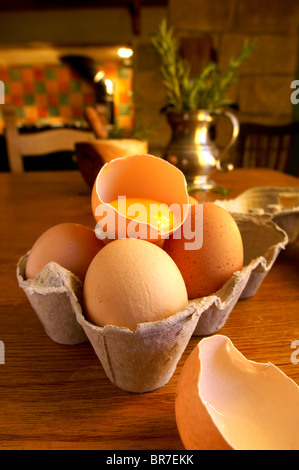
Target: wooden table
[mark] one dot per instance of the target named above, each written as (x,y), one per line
(58,397)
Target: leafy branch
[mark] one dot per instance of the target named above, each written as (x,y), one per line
(207,91)
(174,70)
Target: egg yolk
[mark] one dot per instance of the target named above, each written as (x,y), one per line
(150,211)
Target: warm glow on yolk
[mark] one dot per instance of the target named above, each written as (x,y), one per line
(149,211)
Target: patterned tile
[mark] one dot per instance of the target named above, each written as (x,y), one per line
(28,87)
(55,92)
(53,111)
(27,75)
(38,73)
(63,74)
(42,112)
(88,99)
(17,100)
(7,89)
(52,87)
(77,100)
(4,75)
(40,87)
(41,101)
(29,99)
(31,114)
(16,88)
(124,97)
(14,75)
(64,98)
(66,113)
(20,112)
(124,109)
(75,86)
(53,100)
(76,111)
(123,72)
(64,87)
(50,73)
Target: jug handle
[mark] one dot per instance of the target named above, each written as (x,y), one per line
(236,129)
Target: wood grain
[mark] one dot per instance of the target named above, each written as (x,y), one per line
(58,397)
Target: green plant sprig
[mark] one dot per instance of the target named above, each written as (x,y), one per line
(207,91)
(174,70)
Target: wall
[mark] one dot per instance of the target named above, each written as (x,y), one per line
(264,88)
(52,92)
(91,29)
(66,27)
(263,91)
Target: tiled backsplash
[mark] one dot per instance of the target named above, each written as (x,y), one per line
(54,92)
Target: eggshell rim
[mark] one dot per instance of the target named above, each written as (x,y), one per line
(161,161)
(197,351)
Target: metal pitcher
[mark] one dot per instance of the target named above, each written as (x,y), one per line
(192,149)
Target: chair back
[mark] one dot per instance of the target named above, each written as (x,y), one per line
(268,146)
(37,143)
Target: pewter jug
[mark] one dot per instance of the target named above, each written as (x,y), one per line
(192,148)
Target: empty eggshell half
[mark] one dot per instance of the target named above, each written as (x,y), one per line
(137,177)
(225,401)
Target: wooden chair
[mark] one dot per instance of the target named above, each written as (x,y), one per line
(268,146)
(37,143)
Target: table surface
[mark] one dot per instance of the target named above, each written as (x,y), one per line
(58,397)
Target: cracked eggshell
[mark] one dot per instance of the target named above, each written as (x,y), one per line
(143,176)
(225,401)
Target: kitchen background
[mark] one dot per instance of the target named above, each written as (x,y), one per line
(52,92)
(43,89)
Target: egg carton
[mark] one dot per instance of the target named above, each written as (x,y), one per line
(135,361)
(54,295)
(144,360)
(281,204)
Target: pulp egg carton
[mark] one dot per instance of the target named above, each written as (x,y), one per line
(281,204)
(135,361)
(144,360)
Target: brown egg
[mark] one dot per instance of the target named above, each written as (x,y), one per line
(132,281)
(192,200)
(206,268)
(71,245)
